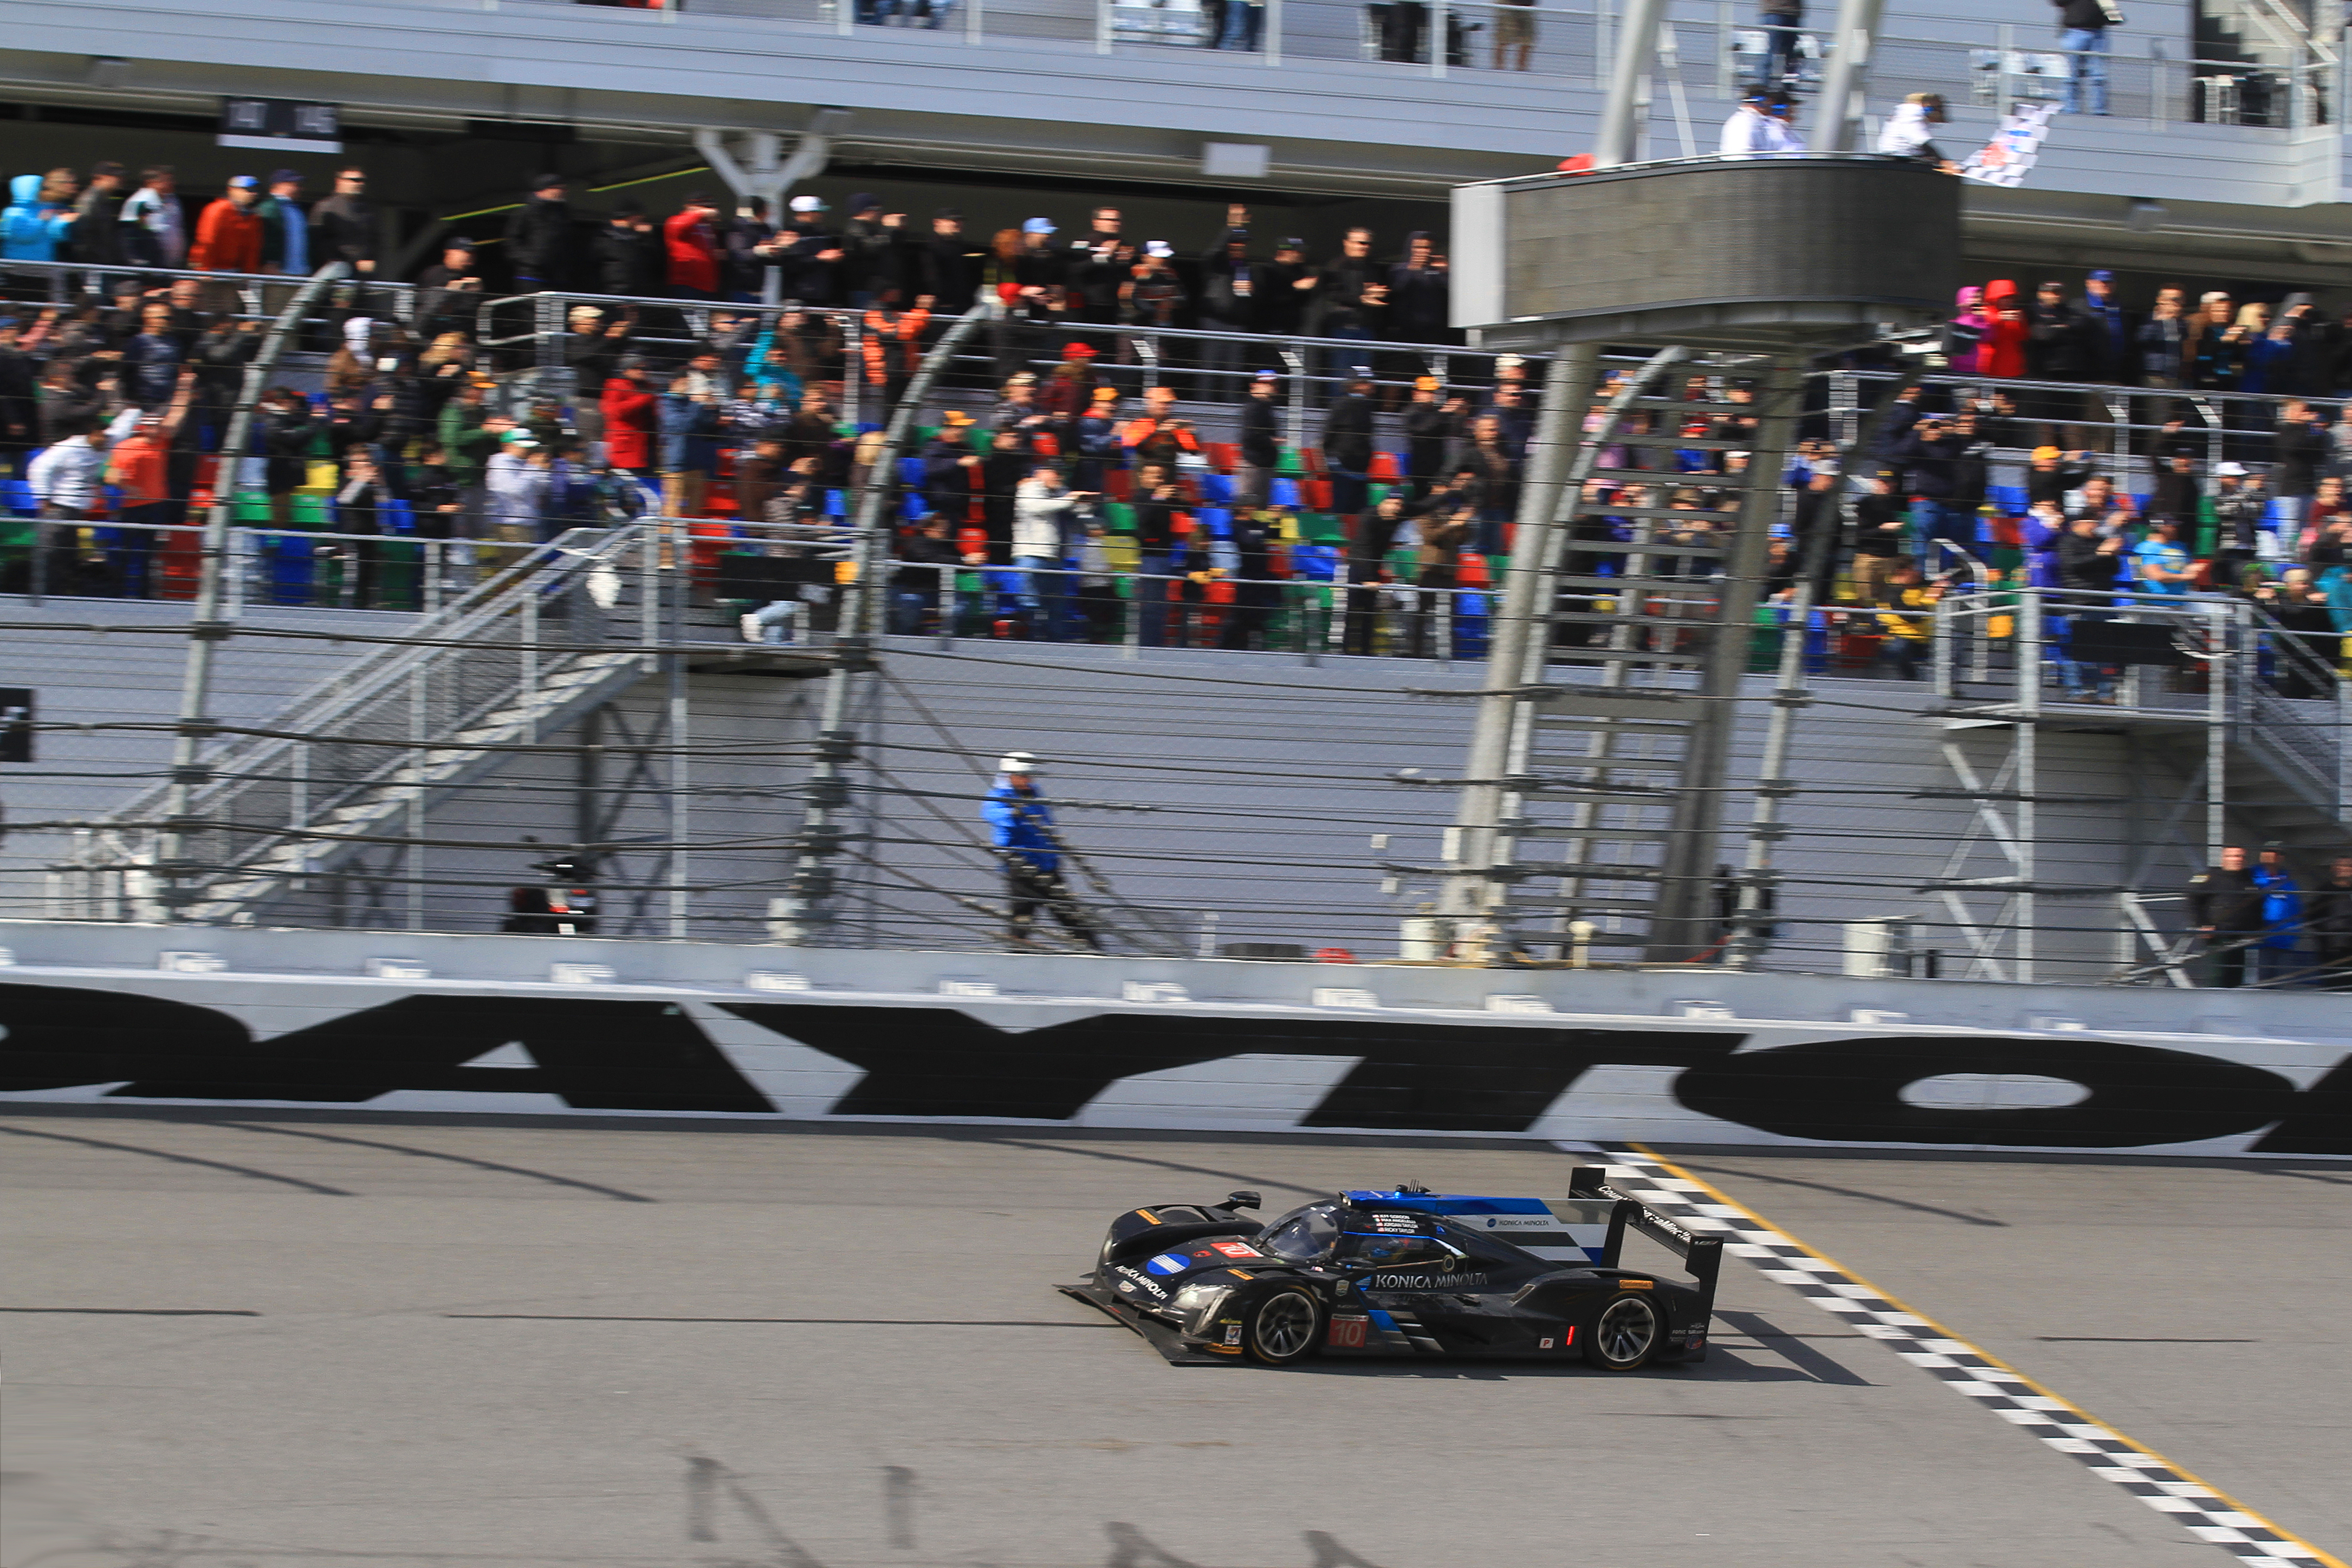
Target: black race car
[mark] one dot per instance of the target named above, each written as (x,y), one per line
(1406,1273)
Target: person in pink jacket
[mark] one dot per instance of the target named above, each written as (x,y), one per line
(1964,336)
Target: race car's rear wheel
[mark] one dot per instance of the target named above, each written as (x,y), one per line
(1625,1334)
(1284,1327)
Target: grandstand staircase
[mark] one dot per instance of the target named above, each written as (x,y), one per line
(342,770)
(2288,760)
(1607,834)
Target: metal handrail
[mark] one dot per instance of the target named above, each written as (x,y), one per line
(97,274)
(318,708)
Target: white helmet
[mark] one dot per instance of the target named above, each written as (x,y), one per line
(1017,763)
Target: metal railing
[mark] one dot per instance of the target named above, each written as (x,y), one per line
(1310,616)
(349,764)
(247,296)
(2210,660)
(2295,704)
(285,568)
(1709,52)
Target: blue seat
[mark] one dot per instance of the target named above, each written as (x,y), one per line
(396,517)
(911,471)
(1283,491)
(912,507)
(1216,522)
(1216,488)
(836,505)
(1315,562)
(2008,499)
(17,497)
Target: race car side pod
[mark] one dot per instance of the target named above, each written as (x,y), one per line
(1702,1256)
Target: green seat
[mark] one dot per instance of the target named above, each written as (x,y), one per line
(310,511)
(252,507)
(1320,528)
(982,439)
(1290,463)
(1118,517)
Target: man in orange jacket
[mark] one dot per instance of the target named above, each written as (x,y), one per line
(894,340)
(1159,435)
(229,236)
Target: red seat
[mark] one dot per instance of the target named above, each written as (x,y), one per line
(1472,571)
(971,541)
(1384,467)
(1045,445)
(1115,482)
(1224,457)
(180,558)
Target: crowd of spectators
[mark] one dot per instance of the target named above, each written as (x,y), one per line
(1069,482)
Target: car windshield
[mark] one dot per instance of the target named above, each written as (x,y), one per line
(1302,1236)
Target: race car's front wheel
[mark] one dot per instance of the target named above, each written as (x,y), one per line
(1284,1327)
(1624,1334)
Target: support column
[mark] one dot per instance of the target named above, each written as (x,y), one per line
(1685,915)
(759,173)
(1520,639)
(1637,45)
(807,909)
(1848,77)
(209,624)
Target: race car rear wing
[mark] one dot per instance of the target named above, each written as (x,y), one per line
(1702,1256)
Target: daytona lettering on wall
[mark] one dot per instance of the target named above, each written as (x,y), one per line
(101,1041)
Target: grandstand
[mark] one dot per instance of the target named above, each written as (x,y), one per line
(1237,752)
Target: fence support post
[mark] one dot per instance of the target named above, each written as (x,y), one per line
(207,625)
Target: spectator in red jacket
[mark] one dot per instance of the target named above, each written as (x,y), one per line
(691,235)
(2003,352)
(631,413)
(229,236)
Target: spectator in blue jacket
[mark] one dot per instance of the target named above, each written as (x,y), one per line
(34,226)
(1021,826)
(688,420)
(2274,957)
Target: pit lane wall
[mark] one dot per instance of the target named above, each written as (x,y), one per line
(422,1023)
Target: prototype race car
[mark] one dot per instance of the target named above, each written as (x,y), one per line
(1406,1273)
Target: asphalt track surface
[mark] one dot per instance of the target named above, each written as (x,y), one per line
(247,1340)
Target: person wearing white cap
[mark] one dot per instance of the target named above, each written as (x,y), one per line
(810,256)
(1020,828)
(2238,504)
(517,479)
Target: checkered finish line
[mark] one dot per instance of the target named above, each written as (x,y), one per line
(2205,1512)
